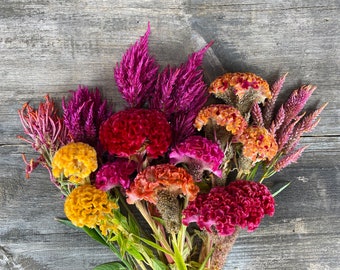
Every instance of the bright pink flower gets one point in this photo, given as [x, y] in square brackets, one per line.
[134, 131]
[241, 203]
[115, 174]
[199, 154]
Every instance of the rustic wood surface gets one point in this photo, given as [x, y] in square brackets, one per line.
[51, 46]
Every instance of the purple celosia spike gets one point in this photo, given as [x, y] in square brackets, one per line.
[136, 74]
[83, 115]
[288, 159]
[297, 101]
[268, 110]
[278, 121]
[182, 126]
[257, 114]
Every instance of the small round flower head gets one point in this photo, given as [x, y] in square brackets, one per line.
[258, 144]
[156, 178]
[88, 206]
[239, 84]
[222, 115]
[133, 131]
[75, 161]
[199, 154]
[241, 203]
[116, 173]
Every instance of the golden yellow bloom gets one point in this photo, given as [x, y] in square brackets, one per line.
[258, 144]
[75, 161]
[222, 115]
[239, 84]
[88, 206]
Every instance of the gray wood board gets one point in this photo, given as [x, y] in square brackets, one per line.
[52, 46]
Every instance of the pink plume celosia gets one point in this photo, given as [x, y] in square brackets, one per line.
[288, 159]
[136, 74]
[278, 121]
[256, 114]
[83, 115]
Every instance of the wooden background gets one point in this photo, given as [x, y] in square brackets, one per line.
[51, 46]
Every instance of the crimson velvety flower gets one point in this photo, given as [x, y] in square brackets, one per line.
[113, 174]
[240, 204]
[84, 113]
[198, 154]
[134, 131]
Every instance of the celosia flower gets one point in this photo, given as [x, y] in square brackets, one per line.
[84, 113]
[199, 154]
[240, 204]
[116, 173]
[136, 74]
[88, 206]
[45, 130]
[75, 161]
[156, 178]
[222, 115]
[258, 144]
[239, 84]
[134, 131]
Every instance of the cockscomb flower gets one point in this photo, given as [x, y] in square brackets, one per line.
[153, 179]
[258, 144]
[240, 84]
[136, 74]
[84, 113]
[221, 115]
[88, 206]
[240, 204]
[75, 161]
[199, 154]
[45, 130]
[113, 174]
[134, 131]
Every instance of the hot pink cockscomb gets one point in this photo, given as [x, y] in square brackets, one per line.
[198, 154]
[137, 72]
[135, 131]
[240, 204]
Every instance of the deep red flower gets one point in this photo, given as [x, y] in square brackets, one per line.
[241, 203]
[134, 131]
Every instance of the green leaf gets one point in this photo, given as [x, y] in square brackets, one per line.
[281, 189]
[155, 246]
[110, 266]
[158, 265]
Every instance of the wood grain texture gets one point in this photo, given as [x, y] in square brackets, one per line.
[52, 46]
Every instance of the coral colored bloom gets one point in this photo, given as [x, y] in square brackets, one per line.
[199, 154]
[134, 131]
[116, 173]
[161, 177]
[88, 206]
[258, 144]
[223, 115]
[240, 84]
[75, 161]
[241, 203]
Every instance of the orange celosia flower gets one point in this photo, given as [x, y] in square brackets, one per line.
[161, 177]
[258, 144]
[223, 115]
[240, 83]
[76, 161]
[88, 206]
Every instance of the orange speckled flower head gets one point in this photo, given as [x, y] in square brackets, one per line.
[161, 177]
[223, 115]
[88, 206]
[76, 161]
[258, 144]
[239, 84]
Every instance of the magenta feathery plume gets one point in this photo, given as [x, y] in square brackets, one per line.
[181, 92]
[136, 74]
[288, 159]
[83, 115]
[256, 114]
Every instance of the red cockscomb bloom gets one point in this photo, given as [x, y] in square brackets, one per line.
[240, 204]
[134, 131]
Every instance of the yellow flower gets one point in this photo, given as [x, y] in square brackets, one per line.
[75, 161]
[88, 206]
[222, 115]
[258, 144]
